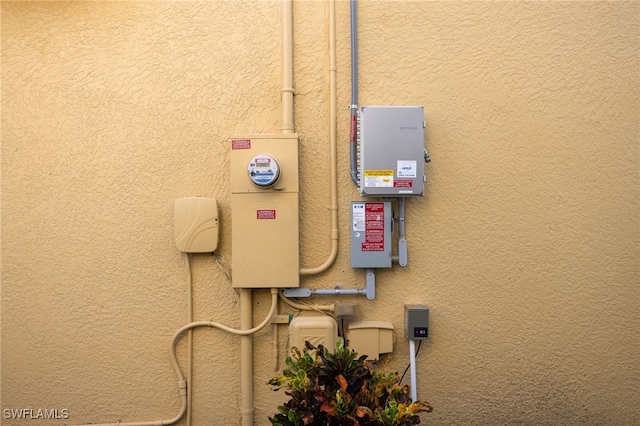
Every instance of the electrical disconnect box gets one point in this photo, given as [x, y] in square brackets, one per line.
[264, 211]
[416, 322]
[371, 234]
[391, 151]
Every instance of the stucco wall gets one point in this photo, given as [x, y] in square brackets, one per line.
[525, 247]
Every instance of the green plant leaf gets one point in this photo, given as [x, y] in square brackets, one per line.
[342, 388]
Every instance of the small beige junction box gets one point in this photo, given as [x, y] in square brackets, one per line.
[317, 330]
[264, 211]
[196, 224]
[371, 338]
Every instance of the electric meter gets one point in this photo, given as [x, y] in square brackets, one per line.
[263, 170]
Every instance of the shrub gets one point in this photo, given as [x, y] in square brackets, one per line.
[342, 389]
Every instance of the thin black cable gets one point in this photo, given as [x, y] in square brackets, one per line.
[407, 369]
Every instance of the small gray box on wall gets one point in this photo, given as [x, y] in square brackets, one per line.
[391, 148]
[416, 322]
[371, 234]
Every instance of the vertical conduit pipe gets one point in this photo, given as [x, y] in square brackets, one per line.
[246, 343]
[403, 259]
[189, 339]
[354, 92]
[412, 364]
[246, 357]
[333, 142]
[275, 341]
[287, 66]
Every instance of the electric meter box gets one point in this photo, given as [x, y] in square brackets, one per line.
[371, 234]
[264, 211]
[391, 151]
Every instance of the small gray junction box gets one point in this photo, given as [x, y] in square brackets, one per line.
[416, 322]
[371, 234]
[391, 148]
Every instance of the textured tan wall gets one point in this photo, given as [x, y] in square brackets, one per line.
[525, 246]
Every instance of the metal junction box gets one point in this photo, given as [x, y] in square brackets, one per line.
[391, 151]
[264, 211]
[416, 322]
[371, 234]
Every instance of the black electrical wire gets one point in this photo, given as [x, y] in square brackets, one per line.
[407, 369]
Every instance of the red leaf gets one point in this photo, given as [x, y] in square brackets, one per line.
[329, 410]
[342, 382]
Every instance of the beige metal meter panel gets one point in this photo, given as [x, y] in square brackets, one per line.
[265, 246]
[264, 218]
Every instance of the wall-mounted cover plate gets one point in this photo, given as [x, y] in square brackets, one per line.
[371, 338]
[196, 224]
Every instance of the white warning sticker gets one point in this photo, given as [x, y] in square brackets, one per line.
[407, 169]
[358, 217]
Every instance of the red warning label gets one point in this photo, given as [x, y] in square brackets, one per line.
[241, 144]
[402, 183]
[265, 214]
[374, 227]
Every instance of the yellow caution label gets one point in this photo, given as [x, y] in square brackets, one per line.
[374, 173]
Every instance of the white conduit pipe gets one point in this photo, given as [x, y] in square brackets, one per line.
[412, 363]
[333, 146]
[182, 384]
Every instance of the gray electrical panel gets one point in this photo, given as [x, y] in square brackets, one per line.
[391, 151]
[371, 234]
